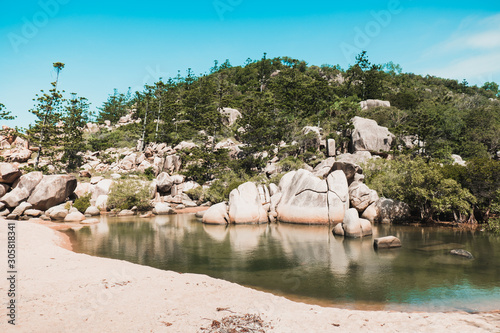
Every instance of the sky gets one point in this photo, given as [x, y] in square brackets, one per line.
[107, 45]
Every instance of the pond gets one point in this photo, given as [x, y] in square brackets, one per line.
[310, 264]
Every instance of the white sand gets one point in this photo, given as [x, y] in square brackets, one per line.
[62, 291]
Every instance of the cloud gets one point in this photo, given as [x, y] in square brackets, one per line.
[471, 52]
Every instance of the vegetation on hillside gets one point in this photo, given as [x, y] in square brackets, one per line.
[277, 97]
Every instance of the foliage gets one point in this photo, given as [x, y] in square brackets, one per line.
[149, 173]
[5, 114]
[204, 164]
[422, 186]
[82, 203]
[127, 193]
[122, 137]
[116, 106]
[493, 225]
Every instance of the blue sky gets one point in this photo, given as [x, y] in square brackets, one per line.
[119, 44]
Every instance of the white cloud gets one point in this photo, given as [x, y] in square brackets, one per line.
[471, 52]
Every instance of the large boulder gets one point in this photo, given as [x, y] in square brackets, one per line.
[162, 208]
[102, 202]
[368, 135]
[230, 116]
[4, 188]
[373, 103]
[308, 199]
[92, 211]
[74, 217]
[392, 210]
[52, 190]
[361, 196]
[245, 205]
[216, 214]
[386, 242]
[9, 173]
[128, 162]
[164, 182]
[172, 164]
[23, 189]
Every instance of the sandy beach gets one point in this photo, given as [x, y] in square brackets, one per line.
[62, 291]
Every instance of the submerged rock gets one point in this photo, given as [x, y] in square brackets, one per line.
[462, 253]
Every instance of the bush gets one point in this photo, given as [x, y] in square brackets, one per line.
[82, 203]
[493, 225]
[127, 193]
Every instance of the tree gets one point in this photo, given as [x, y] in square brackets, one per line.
[46, 132]
[4, 114]
[115, 107]
[75, 117]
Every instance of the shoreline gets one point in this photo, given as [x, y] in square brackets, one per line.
[60, 291]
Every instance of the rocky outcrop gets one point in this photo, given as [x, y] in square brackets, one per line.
[245, 205]
[164, 182]
[216, 214]
[52, 190]
[23, 189]
[368, 135]
[373, 103]
[308, 199]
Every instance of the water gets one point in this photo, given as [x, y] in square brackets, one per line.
[309, 263]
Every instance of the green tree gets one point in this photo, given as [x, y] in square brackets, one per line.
[46, 131]
[115, 107]
[4, 114]
[75, 116]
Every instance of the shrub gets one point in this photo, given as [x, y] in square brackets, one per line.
[82, 203]
[493, 225]
[127, 193]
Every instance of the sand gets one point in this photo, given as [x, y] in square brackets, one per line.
[62, 291]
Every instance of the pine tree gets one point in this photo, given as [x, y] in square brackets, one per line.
[46, 131]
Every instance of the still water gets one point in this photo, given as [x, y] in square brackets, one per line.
[309, 263]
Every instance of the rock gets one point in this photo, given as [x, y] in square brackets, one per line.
[462, 253]
[82, 189]
[95, 180]
[373, 103]
[199, 214]
[85, 173]
[361, 196]
[308, 199]
[338, 229]
[324, 168]
[216, 214]
[366, 227]
[164, 182]
[89, 221]
[102, 202]
[74, 217]
[126, 212]
[9, 173]
[245, 205]
[162, 208]
[178, 179]
[21, 156]
[115, 176]
[52, 190]
[146, 215]
[4, 188]
[368, 135]
[351, 170]
[33, 212]
[128, 162]
[230, 116]
[386, 242]
[58, 214]
[92, 211]
[190, 185]
[273, 189]
[19, 210]
[392, 210]
[5, 212]
[172, 164]
[102, 188]
[351, 224]
[357, 158]
[371, 213]
[330, 148]
[184, 145]
[457, 159]
[23, 189]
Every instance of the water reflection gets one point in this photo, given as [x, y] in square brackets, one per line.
[308, 261]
